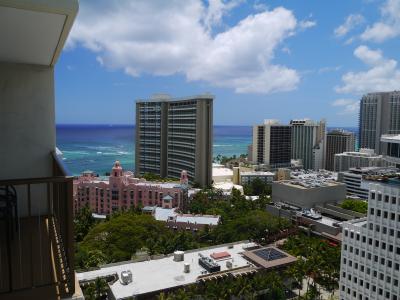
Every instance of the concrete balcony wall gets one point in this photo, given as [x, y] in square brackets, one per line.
[27, 120]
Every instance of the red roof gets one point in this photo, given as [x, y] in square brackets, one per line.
[219, 255]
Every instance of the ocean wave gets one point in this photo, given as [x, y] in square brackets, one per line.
[76, 152]
[123, 152]
[217, 145]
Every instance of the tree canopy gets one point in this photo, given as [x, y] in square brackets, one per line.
[360, 206]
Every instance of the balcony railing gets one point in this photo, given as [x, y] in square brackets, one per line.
[36, 237]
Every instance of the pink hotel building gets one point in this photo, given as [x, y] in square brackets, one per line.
[122, 191]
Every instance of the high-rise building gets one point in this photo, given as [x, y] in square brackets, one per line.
[370, 263]
[308, 143]
[364, 158]
[272, 144]
[174, 135]
[379, 114]
[338, 141]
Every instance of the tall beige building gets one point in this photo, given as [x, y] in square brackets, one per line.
[175, 134]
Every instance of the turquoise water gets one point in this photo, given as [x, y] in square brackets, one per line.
[97, 147]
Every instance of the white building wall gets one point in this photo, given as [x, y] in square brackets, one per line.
[370, 263]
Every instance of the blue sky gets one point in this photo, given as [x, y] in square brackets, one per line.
[261, 59]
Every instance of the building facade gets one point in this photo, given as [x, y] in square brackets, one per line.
[308, 193]
[248, 177]
[122, 190]
[308, 143]
[338, 141]
[370, 263]
[379, 114]
[174, 135]
[364, 158]
[272, 144]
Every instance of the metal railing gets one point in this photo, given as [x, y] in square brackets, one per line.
[37, 251]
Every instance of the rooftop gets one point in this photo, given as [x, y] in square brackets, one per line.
[168, 98]
[166, 214]
[308, 183]
[391, 138]
[160, 274]
[256, 173]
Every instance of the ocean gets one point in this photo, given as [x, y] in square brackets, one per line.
[97, 147]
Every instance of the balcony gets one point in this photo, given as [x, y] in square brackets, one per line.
[36, 237]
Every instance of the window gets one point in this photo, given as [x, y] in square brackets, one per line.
[379, 197]
[393, 216]
[385, 214]
[371, 211]
[393, 200]
[372, 196]
[378, 212]
[114, 195]
[386, 199]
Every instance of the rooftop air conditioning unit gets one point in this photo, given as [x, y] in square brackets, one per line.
[126, 277]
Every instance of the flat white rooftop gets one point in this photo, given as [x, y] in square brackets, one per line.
[160, 274]
[256, 173]
[165, 214]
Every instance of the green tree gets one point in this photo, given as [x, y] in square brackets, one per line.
[83, 222]
[360, 206]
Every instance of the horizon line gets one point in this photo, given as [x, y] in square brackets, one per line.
[133, 125]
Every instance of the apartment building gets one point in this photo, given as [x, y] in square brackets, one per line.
[362, 159]
[173, 135]
[272, 144]
[370, 263]
[338, 141]
[308, 143]
[36, 205]
[379, 114]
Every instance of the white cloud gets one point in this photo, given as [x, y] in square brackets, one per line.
[383, 74]
[351, 22]
[216, 10]
[329, 69]
[305, 24]
[174, 37]
[348, 106]
[389, 25]
[260, 6]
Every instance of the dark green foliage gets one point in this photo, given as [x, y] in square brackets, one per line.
[124, 233]
[83, 222]
[96, 290]
[318, 259]
[355, 205]
[241, 219]
[268, 286]
[257, 187]
[155, 177]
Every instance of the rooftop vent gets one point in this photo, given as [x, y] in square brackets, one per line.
[126, 277]
[179, 255]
